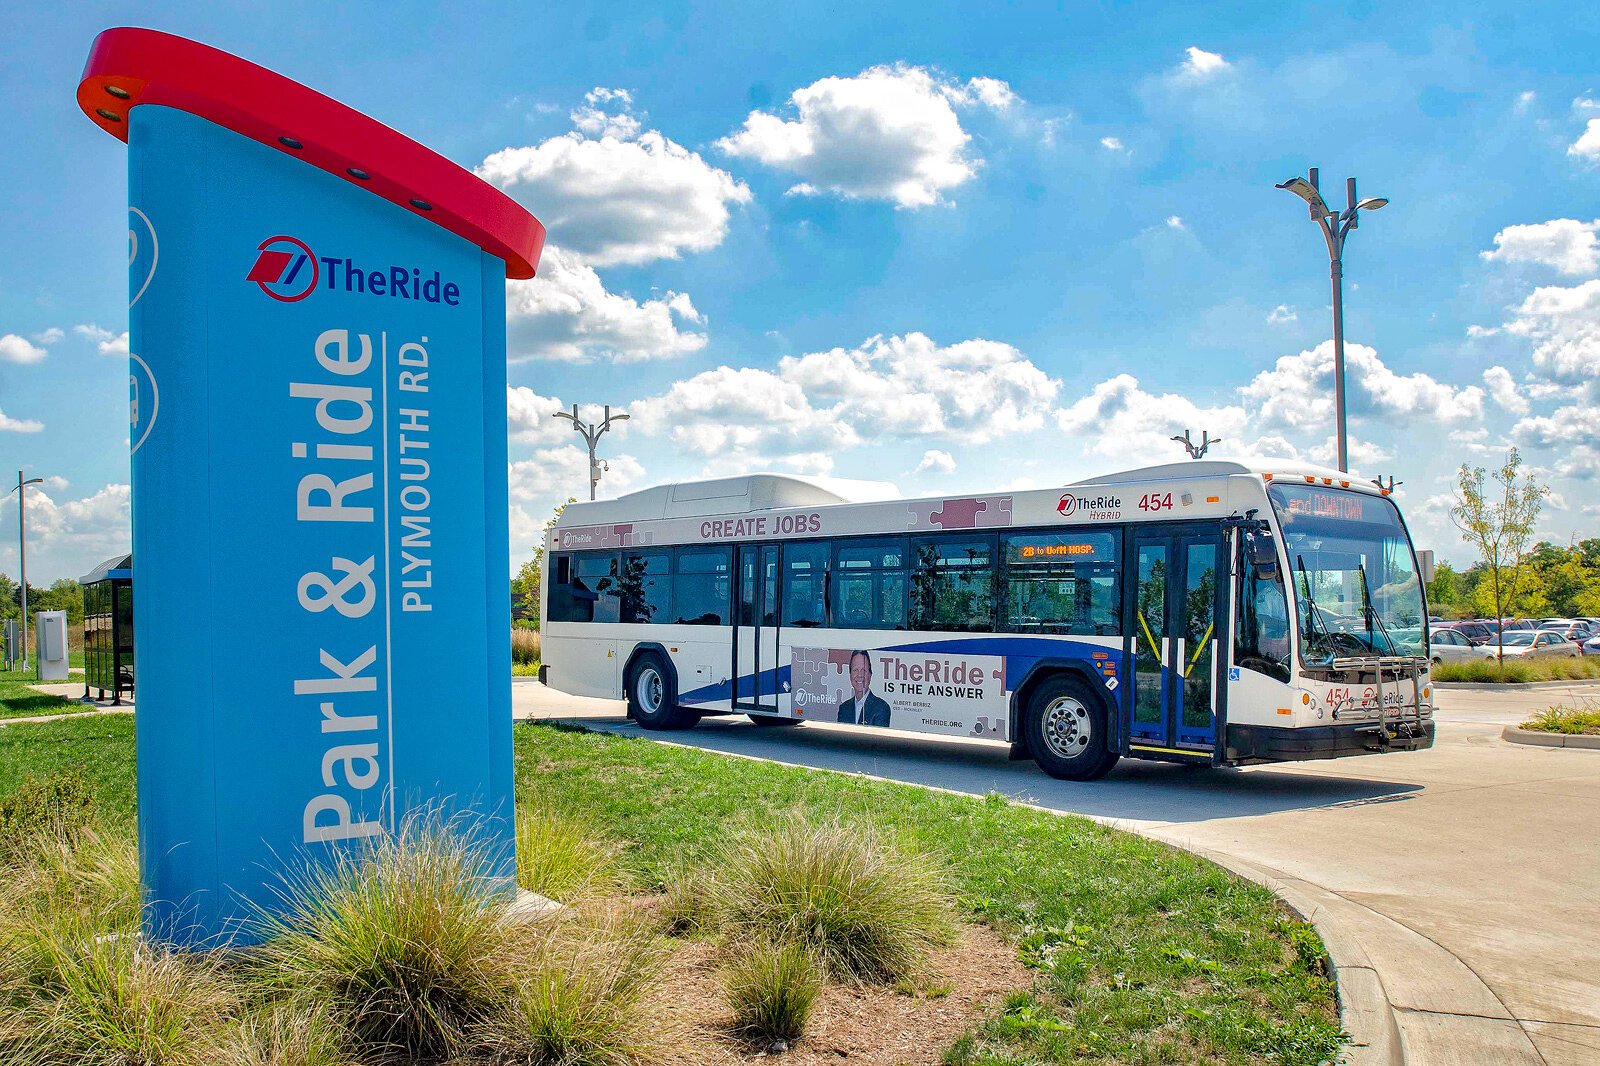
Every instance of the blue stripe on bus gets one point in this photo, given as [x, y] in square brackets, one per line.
[1020, 654]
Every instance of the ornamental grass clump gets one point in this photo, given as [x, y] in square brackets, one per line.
[403, 940]
[288, 1034]
[563, 857]
[770, 988]
[525, 646]
[866, 910]
[579, 1000]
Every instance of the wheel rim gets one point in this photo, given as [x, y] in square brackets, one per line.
[1068, 727]
[648, 690]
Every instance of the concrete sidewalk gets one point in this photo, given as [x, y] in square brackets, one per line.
[1455, 888]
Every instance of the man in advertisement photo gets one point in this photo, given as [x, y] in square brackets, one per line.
[864, 707]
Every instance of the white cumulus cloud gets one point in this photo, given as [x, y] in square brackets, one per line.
[567, 313]
[1112, 144]
[1283, 314]
[1298, 390]
[935, 461]
[550, 475]
[1503, 389]
[531, 418]
[614, 194]
[1120, 420]
[1587, 146]
[1198, 63]
[888, 133]
[905, 387]
[18, 425]
[15, 349]
[105, 341]
[1564, 325]
[1566, 244]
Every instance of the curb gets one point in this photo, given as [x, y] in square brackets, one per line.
[1516, 686]
[1365, 1012]
[1549, 740]
[36, 719]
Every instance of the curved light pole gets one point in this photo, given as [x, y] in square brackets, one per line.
[591, 434]
[22, 552]
[1335, 228]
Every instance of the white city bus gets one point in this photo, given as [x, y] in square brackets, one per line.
[1204, 612]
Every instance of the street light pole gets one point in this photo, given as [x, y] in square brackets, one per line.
[591, 435]
[1197, 451]
[1335, 228]
[22, 552]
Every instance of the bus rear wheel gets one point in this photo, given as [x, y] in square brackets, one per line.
[1065, 727]
[653, 695]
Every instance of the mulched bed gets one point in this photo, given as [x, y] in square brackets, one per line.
[863, 1024]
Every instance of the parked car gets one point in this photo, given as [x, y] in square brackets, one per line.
[1477, 631]
[1525, 645]
[1590, 646]
[1448, 646]
[1575, 630]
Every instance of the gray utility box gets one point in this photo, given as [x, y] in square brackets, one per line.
[52, 645]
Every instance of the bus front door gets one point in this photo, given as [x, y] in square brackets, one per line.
[755, 637]
[1174, 607]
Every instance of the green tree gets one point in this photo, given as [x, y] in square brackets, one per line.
[1444, 591]
[1497, 522]
[525, 586]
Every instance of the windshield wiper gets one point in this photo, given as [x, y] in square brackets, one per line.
[1311, 603]
[1371, 612]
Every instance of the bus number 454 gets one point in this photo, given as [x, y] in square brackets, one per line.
[1156, 501]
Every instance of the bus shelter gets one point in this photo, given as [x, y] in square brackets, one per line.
[108, 629]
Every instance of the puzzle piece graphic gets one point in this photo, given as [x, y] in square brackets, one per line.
[997, 513]
[969, 512]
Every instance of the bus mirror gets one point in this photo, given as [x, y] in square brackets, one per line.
[1262, 555]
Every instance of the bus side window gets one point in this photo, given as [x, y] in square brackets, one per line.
[952, 586]
[805, 570]
[585, 588]
[869, 584]
[1062, 583]
[646, 586]
[700, 587]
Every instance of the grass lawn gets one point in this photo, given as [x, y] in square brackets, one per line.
[1519, 671]
[18, 700]
[1142, 953]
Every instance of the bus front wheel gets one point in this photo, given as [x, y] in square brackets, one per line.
[1066, 728]
[653, 695]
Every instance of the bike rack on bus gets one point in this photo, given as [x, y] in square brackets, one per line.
[1404, 668]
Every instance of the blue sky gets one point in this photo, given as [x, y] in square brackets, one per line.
[948, 246]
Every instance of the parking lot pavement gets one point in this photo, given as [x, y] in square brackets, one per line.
[1464, 877]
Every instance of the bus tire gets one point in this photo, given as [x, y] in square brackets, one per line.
[1065, 727]
[653, 695]
[773, 720]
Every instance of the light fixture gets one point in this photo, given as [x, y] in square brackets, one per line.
[1307, 192]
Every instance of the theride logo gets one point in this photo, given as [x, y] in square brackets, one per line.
[1090, 506]
[286, 269]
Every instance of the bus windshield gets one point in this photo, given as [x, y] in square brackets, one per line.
[1352, 570]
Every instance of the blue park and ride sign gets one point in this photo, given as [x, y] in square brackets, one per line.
[317, 402]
